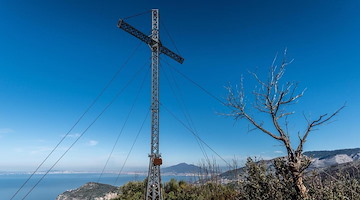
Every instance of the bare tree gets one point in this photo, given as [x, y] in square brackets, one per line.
[273, 98]
[208, 171]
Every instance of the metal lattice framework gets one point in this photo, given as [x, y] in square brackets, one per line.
[153, 188]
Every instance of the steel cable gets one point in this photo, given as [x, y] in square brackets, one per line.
[79, 119]
[196, 84]
[131, 16]
[124, 124]
[102, 112]
[195, 134]
[185, 112]
[132, 146]
[171, 39]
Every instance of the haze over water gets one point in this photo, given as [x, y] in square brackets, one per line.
[55, 184]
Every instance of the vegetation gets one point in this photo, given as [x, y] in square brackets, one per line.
[180, 190]
[132, 191]
[261, 181]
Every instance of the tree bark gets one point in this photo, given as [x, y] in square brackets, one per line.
[297, 174]
[301, 188]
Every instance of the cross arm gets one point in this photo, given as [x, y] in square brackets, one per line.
[133, 31]
[171, 54]
[148, 40]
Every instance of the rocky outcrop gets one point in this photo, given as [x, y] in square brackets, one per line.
[90, 191]
[337, 159]
[323, 159]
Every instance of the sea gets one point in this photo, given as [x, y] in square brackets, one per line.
[54, 184]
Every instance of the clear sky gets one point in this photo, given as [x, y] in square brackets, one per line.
[56, 56]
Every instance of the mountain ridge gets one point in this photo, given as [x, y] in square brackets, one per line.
[181, 168]
[320, 159]
[326, 153]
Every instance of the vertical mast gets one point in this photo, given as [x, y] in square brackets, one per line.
[153, 188]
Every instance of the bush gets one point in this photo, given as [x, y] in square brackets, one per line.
[261, 181]
[132, 191]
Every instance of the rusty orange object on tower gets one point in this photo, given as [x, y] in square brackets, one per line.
[157, 161]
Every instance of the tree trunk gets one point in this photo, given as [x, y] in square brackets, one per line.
[300, 188]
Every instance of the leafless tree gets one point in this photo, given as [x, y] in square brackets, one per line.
[273, 98]
[208, 171]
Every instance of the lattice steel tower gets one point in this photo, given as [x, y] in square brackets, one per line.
[153, 188]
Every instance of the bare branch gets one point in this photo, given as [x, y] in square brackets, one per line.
[254, 128]
[287, 124]
[319, 121]
[315, 123]
[260, 127]
[236, 103]
[293, 98]
[258, 80]
[284, 114]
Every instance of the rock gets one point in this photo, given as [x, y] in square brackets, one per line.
[90, 191]
[328, 161]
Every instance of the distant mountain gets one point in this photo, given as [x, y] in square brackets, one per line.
[181, 168]
[90, 191]
[325, 154]
[327, 158]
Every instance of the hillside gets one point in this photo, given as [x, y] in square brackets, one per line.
[90, 190]
[351, 168]
[330, 161]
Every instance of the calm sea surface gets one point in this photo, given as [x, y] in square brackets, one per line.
[54, 184]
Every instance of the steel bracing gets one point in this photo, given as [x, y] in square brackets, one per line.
[153, 188]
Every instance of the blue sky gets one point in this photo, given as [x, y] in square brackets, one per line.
[56, 56]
